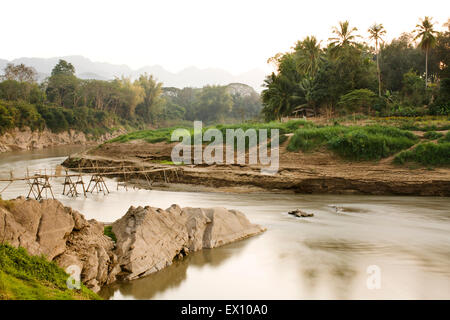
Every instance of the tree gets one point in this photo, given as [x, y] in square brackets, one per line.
[308, 55]
[213, 103]
[427, 36]
[413, 90]
[62, 84]
[152, 102]
[282, 93]
[376, 31]
[127, 96]
[344, 35]
[20, 73]
[442, 52]
[360, 100]
[63, 67]
[397, 58]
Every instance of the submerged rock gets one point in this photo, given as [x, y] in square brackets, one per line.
[300, 214]
[148, 239]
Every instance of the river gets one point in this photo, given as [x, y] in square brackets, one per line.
[355, 246]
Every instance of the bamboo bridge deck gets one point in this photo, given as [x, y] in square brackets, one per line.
[40, 182]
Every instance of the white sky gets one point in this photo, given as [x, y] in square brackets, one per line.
[233, 35]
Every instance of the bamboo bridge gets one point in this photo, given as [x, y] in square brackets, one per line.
[84, 180]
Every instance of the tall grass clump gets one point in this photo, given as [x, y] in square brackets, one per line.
[445, 139]
[432, 135]
[355, 142]
[362, 145]
[426, 154]
[311, 138]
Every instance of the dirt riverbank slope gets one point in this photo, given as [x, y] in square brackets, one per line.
[318, 172]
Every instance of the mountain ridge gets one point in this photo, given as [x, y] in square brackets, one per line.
[188, 77]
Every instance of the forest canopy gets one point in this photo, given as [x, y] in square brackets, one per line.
[351, 74]
[63, 101]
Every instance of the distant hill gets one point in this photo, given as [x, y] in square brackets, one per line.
[233, 88]
[189, 77]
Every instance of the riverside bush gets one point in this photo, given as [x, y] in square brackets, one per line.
[445, 139]
[426, 154]
[362, 145]
[432, 135]
[357, 143]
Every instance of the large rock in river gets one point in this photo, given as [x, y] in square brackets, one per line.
[61, 234]
[148, 239]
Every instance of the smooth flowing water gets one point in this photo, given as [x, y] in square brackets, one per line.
[329, 256]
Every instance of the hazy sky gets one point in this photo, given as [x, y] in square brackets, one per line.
[233, 35]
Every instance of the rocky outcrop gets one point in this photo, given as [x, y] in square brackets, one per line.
[26, 139]
[61, 234]
[148, 239]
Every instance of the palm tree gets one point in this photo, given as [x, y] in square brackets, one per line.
[344, 35]
[279, 96]
[375, 33]
[308, 56]
[426, 33]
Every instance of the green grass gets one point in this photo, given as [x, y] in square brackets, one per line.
[310, 139]
[445, 139]
[426, 154]
[420, 123]
[25, 277]
[354, 142]
[107, 231]
[150, 136]
[164, 135]
[432, 135]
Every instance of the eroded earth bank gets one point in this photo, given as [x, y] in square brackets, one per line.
[318, 172]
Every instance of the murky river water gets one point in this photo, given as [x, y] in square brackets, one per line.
[327, 256]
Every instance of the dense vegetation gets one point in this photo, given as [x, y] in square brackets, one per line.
[64, 102]
[164, 134]
[25, 277]
[354, 142]
[409, 76]
[426, 154]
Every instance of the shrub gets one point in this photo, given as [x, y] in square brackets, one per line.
[107, 231]
[360, 100]
[363, 145]
[445, 139]
[432, 135]
[311, 138]
[426, 154]
[357, 143]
